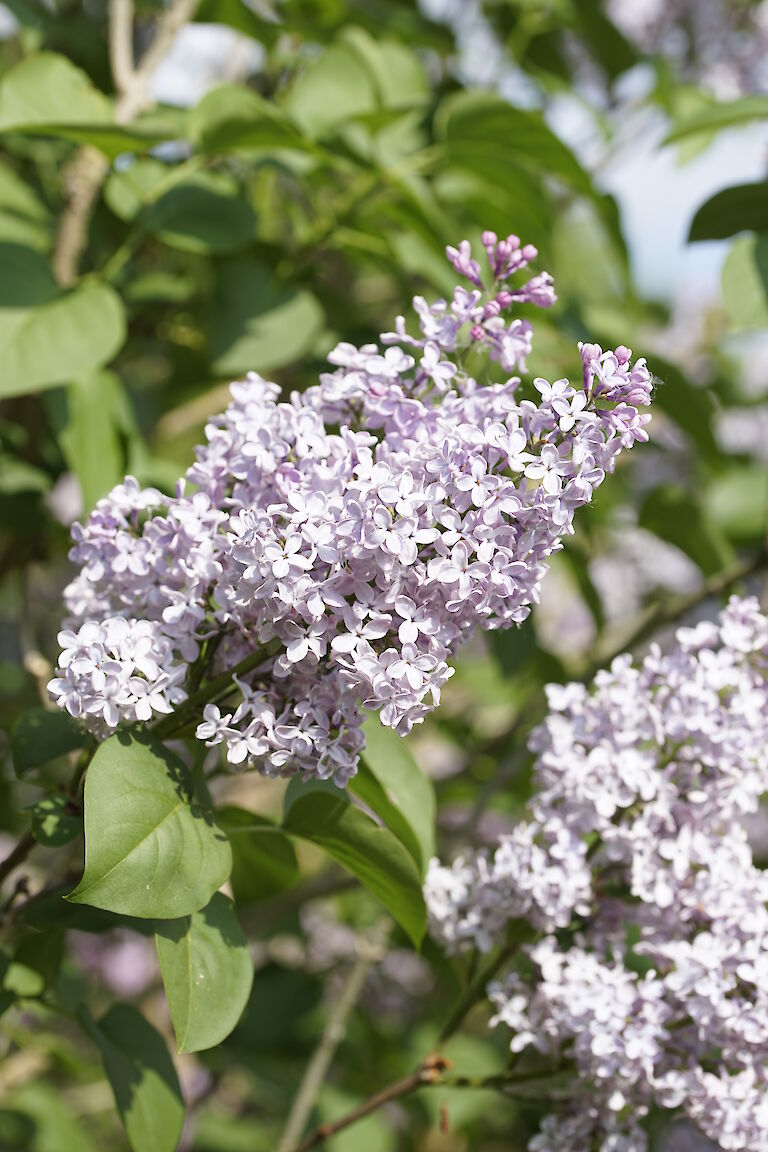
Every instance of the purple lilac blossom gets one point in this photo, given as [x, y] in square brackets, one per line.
[649, 973]
[369, 524]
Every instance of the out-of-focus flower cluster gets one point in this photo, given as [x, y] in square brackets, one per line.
[367, 525]
[649, 973]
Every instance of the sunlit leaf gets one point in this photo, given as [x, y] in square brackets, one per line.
[150, 849]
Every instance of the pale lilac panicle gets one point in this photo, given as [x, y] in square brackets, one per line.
[641, 787]
[368, 525]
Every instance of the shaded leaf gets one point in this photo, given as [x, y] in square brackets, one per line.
[150, 849]
[393, 786]
[42, 734]
[143, 1079]
[256, 325]
[674, 516]
[50, 336]
[371, 853]
[202, 214]
[207, 973]
[53, 821]
[743, 208]
[263, 858]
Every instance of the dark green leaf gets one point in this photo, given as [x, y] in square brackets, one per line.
[263, 858]
[393, 786]
[207, 973]
[142, 1077]
[373, 854]
[54, 822]
[692, 409]
[50, 336]
[743, 208]
[40, 735]
[256, 325]
[150, 849]
[674, 516]
[204, 214]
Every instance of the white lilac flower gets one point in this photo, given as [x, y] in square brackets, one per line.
[368, 553]
[634, 859]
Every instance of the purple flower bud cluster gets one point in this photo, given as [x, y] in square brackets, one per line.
[367, 525]
[649, 974]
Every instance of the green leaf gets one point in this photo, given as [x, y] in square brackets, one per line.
[48, 89]
[255, 324]
[133, 188]
[207, 973]
[693, 409]
[49, 336]
[743, 208]
[143, 1079]
[40, 735]
[393, 786]
[745, 282]
[150, 849]
[672, 515]
[54, 822]
[718, 116]
[478, 125]
[737, 502]
[395, 69]
[24, 219]
[263, 858]
[92, 440]
[371, 853]
[204, 213]
[56, 1128]
[47, 95]
[331, 91]
[232, 118]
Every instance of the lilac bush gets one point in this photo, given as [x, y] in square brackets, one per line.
[355, 534]
[648, 974]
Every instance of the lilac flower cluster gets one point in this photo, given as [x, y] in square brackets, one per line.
[366, 527]
[649, 973]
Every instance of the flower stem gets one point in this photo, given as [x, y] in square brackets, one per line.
[212, 691]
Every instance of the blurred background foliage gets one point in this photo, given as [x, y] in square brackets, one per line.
[288, 175]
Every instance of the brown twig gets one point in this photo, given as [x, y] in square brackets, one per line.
[88, 169]
[369, 951]
[17, 856]
[428, 1072]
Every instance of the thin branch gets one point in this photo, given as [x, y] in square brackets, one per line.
[210, 692]
[17, 856]
[121, 43]
[87, 171]
[428, 1072]
[369, 951]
